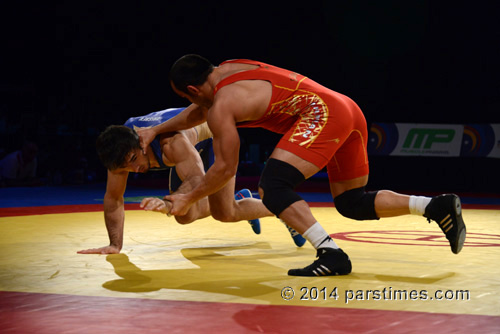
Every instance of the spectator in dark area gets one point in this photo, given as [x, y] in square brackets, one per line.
[19, 168]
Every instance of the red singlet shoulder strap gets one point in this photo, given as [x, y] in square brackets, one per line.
[243, 75]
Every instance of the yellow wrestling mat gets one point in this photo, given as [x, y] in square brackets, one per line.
[400, 263]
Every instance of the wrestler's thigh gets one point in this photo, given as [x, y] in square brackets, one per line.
[350, 161]
[223, 200]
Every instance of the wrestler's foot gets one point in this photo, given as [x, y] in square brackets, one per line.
[330, 262]
[156, 204]
[446, 210]
[245, 193]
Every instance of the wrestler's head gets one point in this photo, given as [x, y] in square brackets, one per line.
[187, 76]
[119, 149]
[190, 70]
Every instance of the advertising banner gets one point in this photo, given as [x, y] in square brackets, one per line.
[438, 140]
[429, 140]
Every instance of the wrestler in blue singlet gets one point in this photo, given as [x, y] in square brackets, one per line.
[203, 147]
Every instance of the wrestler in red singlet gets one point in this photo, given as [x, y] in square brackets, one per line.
[319, 125]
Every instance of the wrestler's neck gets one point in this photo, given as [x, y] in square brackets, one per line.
[214, 78]
[221, 72]
[153, 163]
[218, 74]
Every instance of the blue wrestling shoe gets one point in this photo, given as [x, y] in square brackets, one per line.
[296, 236]
[245, 193]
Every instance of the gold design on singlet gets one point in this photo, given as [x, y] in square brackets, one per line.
[313, 113]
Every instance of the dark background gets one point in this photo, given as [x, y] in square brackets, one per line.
[70, 68]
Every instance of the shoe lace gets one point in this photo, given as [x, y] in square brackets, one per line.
[292, 231]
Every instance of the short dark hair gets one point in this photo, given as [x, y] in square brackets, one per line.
[114, 144]
[188, 70]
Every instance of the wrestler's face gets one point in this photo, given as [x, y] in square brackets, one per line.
[136, 162]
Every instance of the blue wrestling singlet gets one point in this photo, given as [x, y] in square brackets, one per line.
[204, 147]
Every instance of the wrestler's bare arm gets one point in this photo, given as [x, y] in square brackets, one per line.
[188, 118]
[179, 150]
[226, 147]
[114, 214]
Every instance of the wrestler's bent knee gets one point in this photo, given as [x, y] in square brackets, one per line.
[277, 184]
[222, 215]
[357, 204]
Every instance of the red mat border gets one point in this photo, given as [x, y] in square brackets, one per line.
[22, 312]
[51, 209]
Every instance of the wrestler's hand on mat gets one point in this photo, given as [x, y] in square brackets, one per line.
[156, 204]
[101, 250]
[180, 204]
[146, 136]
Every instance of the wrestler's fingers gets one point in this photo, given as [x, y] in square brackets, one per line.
[156, 205]
[144, 202]
[148, 203]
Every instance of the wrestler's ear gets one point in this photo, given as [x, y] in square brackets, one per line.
[193, 90]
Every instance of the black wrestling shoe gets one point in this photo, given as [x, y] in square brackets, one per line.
[330, 262]
[446, 210]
